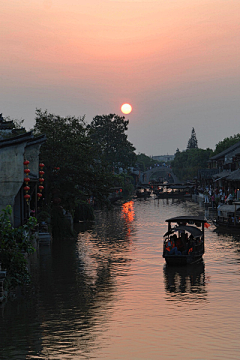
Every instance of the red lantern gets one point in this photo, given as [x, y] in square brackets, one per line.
[27, 171]
[39, 195]
[26, 162]
[41, 173]
[41, 188]
[26, 188]
[26, 180]
[41, 165]
[41, 180]
[27, 197]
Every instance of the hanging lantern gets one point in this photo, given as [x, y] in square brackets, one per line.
[41, 180]
[27, 171]
[27, 197]
[26, 162]
[39, 195]
[26, 180]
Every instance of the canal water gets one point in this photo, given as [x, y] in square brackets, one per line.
[109, 295]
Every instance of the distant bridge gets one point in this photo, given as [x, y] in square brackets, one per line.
[160, 174]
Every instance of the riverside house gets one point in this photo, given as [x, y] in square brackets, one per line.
[13, 152]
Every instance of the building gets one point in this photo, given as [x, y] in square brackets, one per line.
[164, 158]
[13, 152]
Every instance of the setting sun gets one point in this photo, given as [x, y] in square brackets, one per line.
[126, 108]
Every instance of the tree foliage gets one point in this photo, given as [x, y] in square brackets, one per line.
[144, 162]
[73, 173]
[192, 142]
[226, 143]
[109, 140]
[187, 163]
[14, 244]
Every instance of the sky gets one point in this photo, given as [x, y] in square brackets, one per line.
[177, 62]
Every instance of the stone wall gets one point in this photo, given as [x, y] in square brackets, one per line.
[11, 173]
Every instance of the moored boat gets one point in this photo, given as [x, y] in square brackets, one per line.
[183, 243]
[143, 192]
[228, 217]
[175, 191]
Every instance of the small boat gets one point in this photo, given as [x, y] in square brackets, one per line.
[143, 192]
[228, 217]
[175, 191]
[183, 243]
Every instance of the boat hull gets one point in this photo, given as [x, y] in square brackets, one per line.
[182, 260]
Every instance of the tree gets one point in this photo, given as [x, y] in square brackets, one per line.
[144, 162]
[187, 163]
[14, 244]
[110, 141]
[226, 143]
[72, 172]
[192, 142]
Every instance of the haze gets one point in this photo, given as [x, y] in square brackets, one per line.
[176, 62]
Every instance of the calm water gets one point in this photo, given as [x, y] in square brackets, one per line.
[110, 296]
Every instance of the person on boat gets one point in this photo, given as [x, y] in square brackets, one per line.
[179, 243]
[171, 247]
[188, 245]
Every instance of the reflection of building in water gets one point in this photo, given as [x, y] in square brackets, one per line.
[128, 214]
[186, 283]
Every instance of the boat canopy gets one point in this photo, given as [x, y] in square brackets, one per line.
[226, 209]
[191, 229]
[187, 219]
[180, 187]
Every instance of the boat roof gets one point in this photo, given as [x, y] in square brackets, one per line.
[229, 208]
[180, 187]
[191, 229]
[187, 219]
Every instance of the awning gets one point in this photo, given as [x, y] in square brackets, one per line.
[221, 175]
[191, 229]
[229, 208]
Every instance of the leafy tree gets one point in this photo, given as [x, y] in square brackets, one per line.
[187, 163]
[144, 162]
[72, 172]
[14, 244]
[226, 143]
[192, 142]
[110, 142]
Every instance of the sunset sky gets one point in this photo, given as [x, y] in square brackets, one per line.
[176, 62]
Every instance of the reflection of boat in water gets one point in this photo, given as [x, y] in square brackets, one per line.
[186, 280]
[180, 248]
[143, 192]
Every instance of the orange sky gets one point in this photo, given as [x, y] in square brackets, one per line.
[176, 62]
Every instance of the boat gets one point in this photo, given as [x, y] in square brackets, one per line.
[183, 243]
[175, 191]
[228, 217]
[143, 192]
